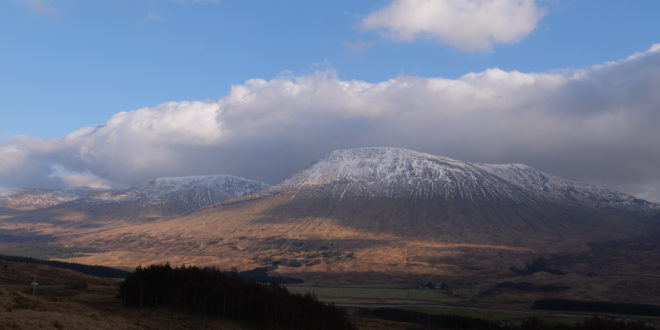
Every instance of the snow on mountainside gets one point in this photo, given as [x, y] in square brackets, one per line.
[189, 192]
[398, 173]
[38, 198]
[171, 195]
[554, 187]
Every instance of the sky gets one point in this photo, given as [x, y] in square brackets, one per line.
[112, 93]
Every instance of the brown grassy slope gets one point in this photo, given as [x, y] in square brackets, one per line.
[639, 255]
[23, 273]
[330, 238]
[374, 235]
[619, 271]
[621, 268]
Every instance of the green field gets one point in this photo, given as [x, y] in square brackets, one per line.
[369, 295]
[500, 317]
[420, 299]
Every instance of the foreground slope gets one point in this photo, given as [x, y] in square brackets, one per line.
[67, 299]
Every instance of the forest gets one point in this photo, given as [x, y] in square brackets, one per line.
[212, 292]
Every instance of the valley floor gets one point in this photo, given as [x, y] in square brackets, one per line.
[96, 307]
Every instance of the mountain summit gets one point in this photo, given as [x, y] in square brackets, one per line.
[402, 173]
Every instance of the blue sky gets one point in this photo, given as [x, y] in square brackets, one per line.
[75, 63]
[110, 93]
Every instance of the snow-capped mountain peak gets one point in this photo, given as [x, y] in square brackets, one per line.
[379, 165]
[30, 198]
[403, 173]
[190, 192]
[171, 195]
[398, 172]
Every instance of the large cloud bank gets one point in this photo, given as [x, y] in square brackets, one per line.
[468, 25]
[599, 125]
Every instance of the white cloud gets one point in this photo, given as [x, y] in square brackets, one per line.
[89, 181]
[598, 125]
[466, 24]
[134, 143]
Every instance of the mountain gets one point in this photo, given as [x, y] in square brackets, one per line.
[29, 199]
[562, 190]
[402, 173]
[158, 198]
[354, 215]
[176, 194]
[412, 194]
[398, 174]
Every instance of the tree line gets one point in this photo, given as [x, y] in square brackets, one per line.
[212, 292]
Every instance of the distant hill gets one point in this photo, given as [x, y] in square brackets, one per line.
[30, 199]
[161, 197]
[174, 195]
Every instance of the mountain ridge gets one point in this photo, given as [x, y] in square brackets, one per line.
[31, 198]
[160, 197]
[385, 172]
[377, 172]
[204, 190]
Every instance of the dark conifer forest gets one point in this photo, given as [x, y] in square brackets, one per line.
[212, 292]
